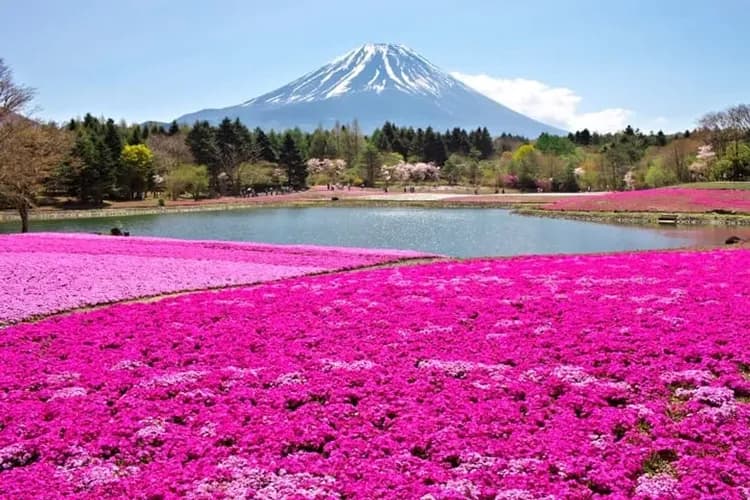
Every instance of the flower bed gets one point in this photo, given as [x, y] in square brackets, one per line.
[659, 200]
[541, 377]
[46, 273]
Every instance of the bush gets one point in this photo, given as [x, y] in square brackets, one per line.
[658, 176]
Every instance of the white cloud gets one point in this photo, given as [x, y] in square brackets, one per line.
[553, 105]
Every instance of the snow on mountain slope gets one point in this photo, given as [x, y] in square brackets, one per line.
[375, 83]
[370, 68]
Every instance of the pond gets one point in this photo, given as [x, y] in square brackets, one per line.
[460, 232]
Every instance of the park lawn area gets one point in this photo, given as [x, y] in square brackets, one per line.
[716, 185]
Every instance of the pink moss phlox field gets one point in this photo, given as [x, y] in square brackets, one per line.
[46, 273]
[659, 200]
[542, 377]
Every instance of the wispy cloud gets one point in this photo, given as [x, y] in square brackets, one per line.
[553, 105]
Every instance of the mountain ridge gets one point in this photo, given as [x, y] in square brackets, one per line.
[372, 84]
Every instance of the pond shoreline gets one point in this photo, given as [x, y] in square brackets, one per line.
[530, 208]
[643, 218]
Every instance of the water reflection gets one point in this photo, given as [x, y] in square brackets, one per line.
[457, 232]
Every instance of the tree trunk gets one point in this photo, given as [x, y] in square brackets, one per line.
[23, 211]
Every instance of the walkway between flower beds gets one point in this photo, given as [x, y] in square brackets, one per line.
[46, 273]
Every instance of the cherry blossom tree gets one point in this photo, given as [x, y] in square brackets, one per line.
[331, 169]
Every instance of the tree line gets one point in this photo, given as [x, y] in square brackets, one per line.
[96, 159]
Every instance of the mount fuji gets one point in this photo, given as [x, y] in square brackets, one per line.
[373, 84]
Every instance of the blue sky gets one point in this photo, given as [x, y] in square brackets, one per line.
[656, 64]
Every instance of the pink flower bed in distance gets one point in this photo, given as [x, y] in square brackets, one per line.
[45, 273]
[659, 200]
[538, 377]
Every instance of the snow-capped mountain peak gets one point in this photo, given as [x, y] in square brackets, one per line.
[374, 83]
[373, 67]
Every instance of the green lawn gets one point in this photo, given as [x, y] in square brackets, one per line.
[716, 185]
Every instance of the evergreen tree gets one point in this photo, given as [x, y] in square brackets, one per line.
[173, 128]
[202, 144]
[291, 159]
[459, 142]
[110, 148]
[661, 139]
[371, 163]
[434, 148]
[585, 139]
[135, 136]
[94, 177]
[484, 144]
[264, 146]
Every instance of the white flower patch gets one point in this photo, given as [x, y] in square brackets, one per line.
[127, 364]
[496, 336]
[63, 377]
[531, 375]
[291, 378]
[418, 299]
[695, 377]
[153, 428]
[68, 392]
[433, 329]
[361, 364]
[508, 323]
[167, 379]
[574, 375]
[598, 441]
[463, 487]
[98, 475]
[519, 494]
[642, 410]
[656, 486]
[475, 461]
[238, 373]
[461, 368]
[15, 454]
[251, 482]
[520, 466]
[207, 430]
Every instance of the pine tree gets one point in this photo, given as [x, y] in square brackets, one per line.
[434, 148]
[135, 136]
[173, 128]
[291, 159]
[202, 143]
[484, 144]
[110, 149]
[661, 139]
[264, 146]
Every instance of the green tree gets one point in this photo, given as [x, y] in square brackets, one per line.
[291, 160]
[202, 143]
[454, 169]
[371, 163]
[554, 144]
[434, 148]
[174, 129]
[658, 176]
[136, 172]
[187, 178]
[264, 146]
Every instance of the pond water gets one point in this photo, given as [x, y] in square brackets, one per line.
[459, 232]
